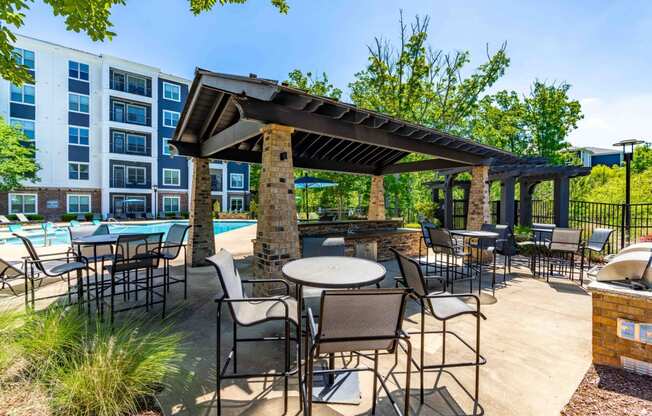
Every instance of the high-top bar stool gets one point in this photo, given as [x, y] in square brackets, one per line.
[449, 253]
[443, 306]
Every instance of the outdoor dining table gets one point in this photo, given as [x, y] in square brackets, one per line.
[332, 272]
[481, 236]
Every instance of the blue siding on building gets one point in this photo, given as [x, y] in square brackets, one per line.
[236, 167]
[166, 161]
[80, 87]
[78, 153]
[78, 119]
[27, 112]
[607, 160]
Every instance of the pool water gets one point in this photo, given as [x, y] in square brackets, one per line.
[61, 235]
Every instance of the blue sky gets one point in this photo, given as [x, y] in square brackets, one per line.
[602, 48]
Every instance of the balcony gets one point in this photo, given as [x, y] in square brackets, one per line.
[128, 112]
[131, 83]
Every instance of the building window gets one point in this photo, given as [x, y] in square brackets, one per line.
[135, 175]
[129, 113]
[27, 126]
[171, 177]
[22, 203]
[78, 171]
[131, 83]
[136, 85]
[236, 180]
[171, 204]
[166, 149]
[170, 118]
[171, 92]
[77, 70]
[78, 135]
[26, 94]
[78, 103]
[24, 57]
[79, 204]
[236, 203]
[216, 182]
[136, 143]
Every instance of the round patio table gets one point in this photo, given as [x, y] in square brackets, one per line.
[482, 236]
[332, 272]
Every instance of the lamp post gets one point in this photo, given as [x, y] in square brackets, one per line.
[155, 189]
[628, 156]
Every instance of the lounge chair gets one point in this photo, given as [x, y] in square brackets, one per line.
[246, 312]
[4, 220]
[358, 321]
[22, 218]
[443, 306]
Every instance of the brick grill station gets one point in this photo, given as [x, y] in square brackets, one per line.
[610, 303]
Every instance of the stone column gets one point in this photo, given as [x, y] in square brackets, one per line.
[277, 237]
[201, 239]
[376, 199]
[478, 212]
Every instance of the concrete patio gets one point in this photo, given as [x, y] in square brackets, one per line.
[537, 340]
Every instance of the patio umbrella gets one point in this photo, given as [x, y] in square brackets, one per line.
[310, 182]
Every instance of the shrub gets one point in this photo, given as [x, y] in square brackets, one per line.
[35, 217]
[185, 214]
[88, 216]
[68, 217]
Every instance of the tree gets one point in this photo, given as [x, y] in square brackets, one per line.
[89, 16]
[17, 158]
[499, 122]
[317, 84]
[642, 159]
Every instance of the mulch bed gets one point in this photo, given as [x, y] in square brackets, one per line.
[607, 391]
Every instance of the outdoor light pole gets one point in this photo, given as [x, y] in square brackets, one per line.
[628, 156]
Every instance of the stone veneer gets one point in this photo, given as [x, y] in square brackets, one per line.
[478, 212]
[610, 303]
[376, 199]
[277, 237]
[201, 238]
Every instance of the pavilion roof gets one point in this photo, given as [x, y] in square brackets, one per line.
[224, 113]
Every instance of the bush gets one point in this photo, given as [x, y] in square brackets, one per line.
[68, 217]
[185, 214]
[88, 216]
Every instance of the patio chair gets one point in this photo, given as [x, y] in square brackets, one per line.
[565, 244]
[426, 243]
[172, 247]
[53, 265]
[443, 306]
[449, 253]
[320, 246]
[22, 218]
[357, 322]
[92, 253]
[506, 246]
[247, 312]
[134, 253]
[598, 241]
[543, 233]
[10, 272]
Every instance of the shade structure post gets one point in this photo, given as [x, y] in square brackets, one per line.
[277, 236]
[376, 199]
[562, 200]
[201, 238]
[507, 213]
[448, 201]
[478, 212]
[525, 202]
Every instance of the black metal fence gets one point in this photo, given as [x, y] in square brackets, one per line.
[591, 215]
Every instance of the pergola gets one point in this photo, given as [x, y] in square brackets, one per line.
[528, 176]
[254, 120]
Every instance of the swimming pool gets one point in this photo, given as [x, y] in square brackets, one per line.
[61, 235]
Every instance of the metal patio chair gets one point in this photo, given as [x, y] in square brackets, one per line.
[53, 265]
[425, 242]
[443, 306]
[598, 241]
[11, 272]
[172, 247]
[449, 253]
[565, 244]
[355, 322]
[250, 311]
[134, 253]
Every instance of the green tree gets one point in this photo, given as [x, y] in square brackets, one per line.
[17, 158]
[89, 16]
[642, 158]
[499, 122]
[318, 85]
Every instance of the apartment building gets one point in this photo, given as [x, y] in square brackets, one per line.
[101, 126]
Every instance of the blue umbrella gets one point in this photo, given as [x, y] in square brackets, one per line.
[306, 182]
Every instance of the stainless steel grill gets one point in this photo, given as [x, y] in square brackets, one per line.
[632, 267]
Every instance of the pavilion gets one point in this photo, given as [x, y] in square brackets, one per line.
[255, 120]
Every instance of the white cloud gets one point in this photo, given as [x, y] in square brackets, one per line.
[607, 121]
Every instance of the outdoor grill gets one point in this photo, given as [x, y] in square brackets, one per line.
[631, 268]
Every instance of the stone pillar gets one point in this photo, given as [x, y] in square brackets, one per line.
[478, 212]
[507, 213]
[376, 199]
[277, 237]
[201, 239]
[562, 200]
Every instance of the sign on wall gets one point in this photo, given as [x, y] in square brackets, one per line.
[52, 204]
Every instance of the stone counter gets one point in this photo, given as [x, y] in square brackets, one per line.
[329, 228]
[620, 316]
